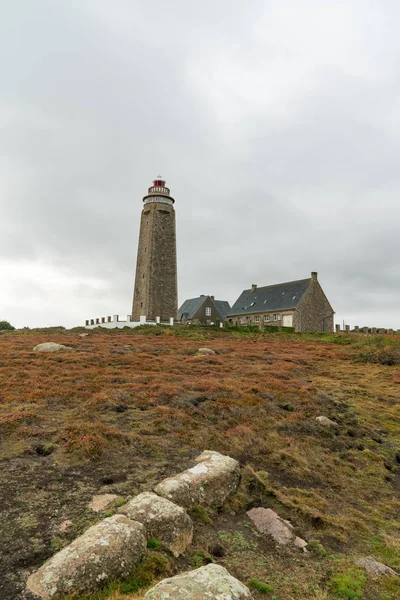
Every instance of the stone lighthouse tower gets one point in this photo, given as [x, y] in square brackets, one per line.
[156, 289]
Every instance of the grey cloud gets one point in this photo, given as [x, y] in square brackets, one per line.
[276, 126]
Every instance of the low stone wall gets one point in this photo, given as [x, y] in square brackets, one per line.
[110, 549]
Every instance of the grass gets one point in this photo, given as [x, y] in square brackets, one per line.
[154, 544]
[261, 587]
[125, 409]
[349, 585]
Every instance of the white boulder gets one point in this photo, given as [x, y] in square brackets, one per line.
[211, 582]
[106, 551]
[373, 567]
[205, 351]
[210, 482]
[50, 347]
[325, 421]
[163, 520]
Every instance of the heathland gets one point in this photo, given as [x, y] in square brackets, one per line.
[122, 410]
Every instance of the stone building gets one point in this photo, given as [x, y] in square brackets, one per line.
[204, 310]
[156, 288]
[300, 304]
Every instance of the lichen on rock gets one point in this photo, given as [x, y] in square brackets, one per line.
[210, 482]
[211, 582]
[106, 551]
[162, 519]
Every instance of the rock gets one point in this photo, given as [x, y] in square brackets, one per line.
[83, 334]
[65, 525]
[205, 351]
[269, 522]
[210, 482]
[326, 422]
[211, 582]
[102, 502]
[300, 543]
[106, 551]
[50, 347]
[163, 520]
[375, 568]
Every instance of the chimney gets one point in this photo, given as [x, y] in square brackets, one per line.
[253, 287]
[314, 275]
[212, 297]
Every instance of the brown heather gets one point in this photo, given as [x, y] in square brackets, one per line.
[124, 409]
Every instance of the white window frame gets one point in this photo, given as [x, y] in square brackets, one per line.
[267, 318]
[257, 319]
[208, 311]
[277, 317]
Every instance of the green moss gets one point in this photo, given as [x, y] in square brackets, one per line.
[200, 512]
[348, 585]
[200, 558]
[153, 566]
[261, 587]
[317, 547]
[154, 544]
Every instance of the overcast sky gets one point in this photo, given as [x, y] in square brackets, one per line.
[276, 124]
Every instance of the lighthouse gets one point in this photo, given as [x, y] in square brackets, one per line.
[156, 288]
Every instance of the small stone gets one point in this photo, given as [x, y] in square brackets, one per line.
[83, 334]
[211, 582]
[50, 347]
[105, 552]
[325, 421]
[205, 351]
[269, 522]
[210, 482]
[65, 525]
[300, 543]
[102, 502]
[163, 520]
[373, 567]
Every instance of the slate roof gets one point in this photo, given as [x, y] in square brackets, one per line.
[190, 307]
[282, 296]
[223, 307]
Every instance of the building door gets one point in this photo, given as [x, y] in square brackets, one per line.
[287, 321]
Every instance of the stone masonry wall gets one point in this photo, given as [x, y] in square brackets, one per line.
[156, 288]
[316, 312]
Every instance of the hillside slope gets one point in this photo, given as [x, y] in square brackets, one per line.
[123, 409]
